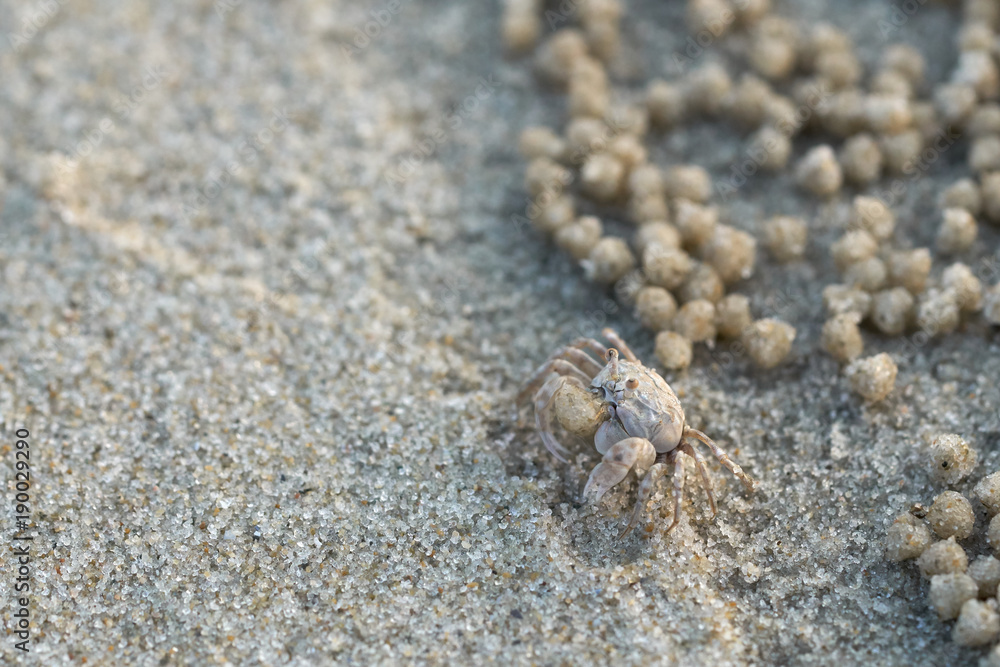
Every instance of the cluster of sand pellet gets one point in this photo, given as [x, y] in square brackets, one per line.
[962, 589]
[682, 259]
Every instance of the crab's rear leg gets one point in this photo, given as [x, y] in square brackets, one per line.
[569, 360]
[618, 460]
[678, 476]
[699, 463]
[645, 491]
[722, 456]
[543, 415]
[616, 341]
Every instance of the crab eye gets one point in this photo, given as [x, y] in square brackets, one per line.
[631, 383]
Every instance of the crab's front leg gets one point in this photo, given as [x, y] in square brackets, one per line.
[618, 460]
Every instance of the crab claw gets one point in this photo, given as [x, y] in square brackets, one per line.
[618, 460]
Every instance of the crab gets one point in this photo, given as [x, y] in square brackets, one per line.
[635, 417]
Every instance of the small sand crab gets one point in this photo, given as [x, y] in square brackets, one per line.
[634, 416]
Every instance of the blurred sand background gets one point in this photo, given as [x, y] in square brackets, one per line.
[271, 412]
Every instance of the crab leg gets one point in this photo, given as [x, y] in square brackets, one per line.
[617, 341]
[699, 463]
[722, 456]
[543, 416]
[618, 460]
[678, 474]
[560, 366]
[645, 491]
[579, 359]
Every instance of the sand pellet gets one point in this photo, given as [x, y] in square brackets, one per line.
[577, 411]
[978, 624]
[938, 312]
[901, 152]
[772, 50]
[887, 114]
[944, 557]
[656, 235]
[580, 237]
[985, 571]
[990, 192]
[853, 247]
[695, 320]
[559, 53]
[955, 102]
[987, 490]
[977, 69]
[544, 175]
[964, 194]
[861, 159]
[746, 101]
[984, 154]
[892, 310]
[967, 288]
[785, 237]
[687, 182]
[645, 180]
[949, 592]
[908, 537]
[951, 514]
[868, 274]
[649, 208]
[701, 283]
[873, 377]
[841, 299]
[732, 315]
[770, 147]
[873, 216]
[609, 261]
[673, 350]
[665, 103]
[768, 341]
[906, 60]
[841, 337]
[706, 88]
[541, 142]
[909, 269]
[602, 177]
[655, 307]
[521, 25]
[819, 172]
[951, 459]
[984, 121]
[991, 304]
[731, 252]
[957, 232]
[696, 223]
